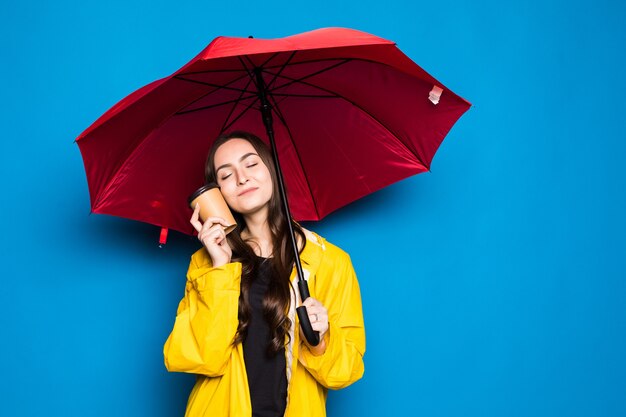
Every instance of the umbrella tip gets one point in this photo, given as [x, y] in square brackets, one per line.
[163, 237]
[250, 37]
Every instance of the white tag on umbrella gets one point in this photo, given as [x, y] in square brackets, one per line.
[435, 94]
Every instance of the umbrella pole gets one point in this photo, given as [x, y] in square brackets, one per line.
[266, 112]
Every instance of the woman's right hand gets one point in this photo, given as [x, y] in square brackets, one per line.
[213, 237]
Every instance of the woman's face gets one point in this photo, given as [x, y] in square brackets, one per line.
[243, 178]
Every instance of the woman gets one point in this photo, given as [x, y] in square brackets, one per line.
[236, 326]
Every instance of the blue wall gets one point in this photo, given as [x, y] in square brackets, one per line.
[509, 255]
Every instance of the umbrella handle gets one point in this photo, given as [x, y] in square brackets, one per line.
[311, 335]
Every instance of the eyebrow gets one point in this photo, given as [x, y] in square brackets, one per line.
[240, 159]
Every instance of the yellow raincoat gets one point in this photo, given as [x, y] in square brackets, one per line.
[206, 323]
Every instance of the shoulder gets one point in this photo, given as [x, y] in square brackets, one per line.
[332, 253]
[334, 274]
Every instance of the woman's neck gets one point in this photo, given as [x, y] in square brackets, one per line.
[258, 230]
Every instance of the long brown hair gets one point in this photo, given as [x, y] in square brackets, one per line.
[277, 300]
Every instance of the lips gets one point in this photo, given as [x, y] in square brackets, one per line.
[246, 191]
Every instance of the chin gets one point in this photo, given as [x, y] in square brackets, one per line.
[251, 209]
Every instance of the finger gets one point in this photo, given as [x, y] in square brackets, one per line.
[216, 220]
[221, 240]
[310, 302]
[194, 219]
[219, 234]
[320, 318]
[213, 234]
[319, 326]
[315, 305]
[216, 230]
[315, 310]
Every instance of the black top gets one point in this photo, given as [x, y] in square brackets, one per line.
[267, 378]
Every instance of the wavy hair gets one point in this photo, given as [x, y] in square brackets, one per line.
[277, 300]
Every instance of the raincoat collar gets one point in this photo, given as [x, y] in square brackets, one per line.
[312, 254]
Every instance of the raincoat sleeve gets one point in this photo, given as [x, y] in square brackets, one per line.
[206, 320]
[341, 364]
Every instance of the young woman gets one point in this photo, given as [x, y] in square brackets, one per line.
[236, 326]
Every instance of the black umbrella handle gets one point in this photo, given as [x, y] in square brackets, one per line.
[311, 335]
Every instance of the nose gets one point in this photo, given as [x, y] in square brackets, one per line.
[241, 177]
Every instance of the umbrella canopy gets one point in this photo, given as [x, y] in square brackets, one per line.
[352, 114]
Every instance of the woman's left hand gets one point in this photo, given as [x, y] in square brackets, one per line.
[318, 315]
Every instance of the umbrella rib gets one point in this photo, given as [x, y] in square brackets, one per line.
[253, 79]
[225, 127]
[293, 144]
[263, 65]
[232, 110]
[252, 65]
[247, 70]
[313, 74]
[363, 110]
[313, 61]
[208, 71]
[282, 67]
[237, 100]
[218, 86]
[305, 95]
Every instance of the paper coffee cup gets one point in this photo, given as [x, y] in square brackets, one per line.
[212, 204]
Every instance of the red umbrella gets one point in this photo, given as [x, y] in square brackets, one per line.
[354, 115]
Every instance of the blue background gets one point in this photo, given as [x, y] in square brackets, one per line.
[511, 300]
